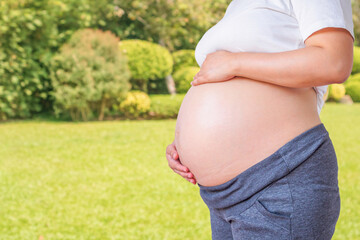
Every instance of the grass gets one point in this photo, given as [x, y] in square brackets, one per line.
[110, 180]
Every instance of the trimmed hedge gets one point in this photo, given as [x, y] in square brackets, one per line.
[353, 89]
[165, 105]
[336, 91]
[183, 77]
[353, 78]
[184, 58]
[136, 103]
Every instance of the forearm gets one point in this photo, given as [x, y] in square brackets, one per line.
[305, 67]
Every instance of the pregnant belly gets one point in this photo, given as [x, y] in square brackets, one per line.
[224, 128]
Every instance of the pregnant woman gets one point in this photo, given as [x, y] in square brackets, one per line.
[248, 130]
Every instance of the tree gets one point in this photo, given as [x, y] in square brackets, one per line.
[174, 24]
[356, 20]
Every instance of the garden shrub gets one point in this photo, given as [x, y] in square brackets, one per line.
[27, 34]
[183, 77]
[147, 61]
[89, 74]
[165, 105]
[353, 78]
[326, 95]
[336, 91]
[31, 32]
[356, 63]
[184, 58]
[136, 103]
[353, 89]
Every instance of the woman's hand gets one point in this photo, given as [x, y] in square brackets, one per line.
[216, 68]
[175, 164]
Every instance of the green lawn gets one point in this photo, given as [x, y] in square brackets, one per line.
[110, 180]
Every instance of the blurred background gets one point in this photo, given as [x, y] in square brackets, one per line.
[89, 95]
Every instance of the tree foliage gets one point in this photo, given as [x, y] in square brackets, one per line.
[175, 24]
[356, 20]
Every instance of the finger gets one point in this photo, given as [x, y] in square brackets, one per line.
[175, 164]
[175, 155]
[191, 180]
[196, 75]
[171, 150]
[184, 175]
[196, 81]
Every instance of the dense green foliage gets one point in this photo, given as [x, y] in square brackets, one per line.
[111, 180]
[146, 61]
[336, 91]
[32, 31]
[184, 58]
[173, 24]
[353, 78]
[356, 20]
[88, 74]
[356, 63]
[165, 105]
[353, 89]
[26, 38]
[183, 77]
[136, 103]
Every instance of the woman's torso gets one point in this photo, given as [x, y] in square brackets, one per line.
[224, 128]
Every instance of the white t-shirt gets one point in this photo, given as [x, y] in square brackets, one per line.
[274, 26]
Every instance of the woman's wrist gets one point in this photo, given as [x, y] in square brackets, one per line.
[235, 64]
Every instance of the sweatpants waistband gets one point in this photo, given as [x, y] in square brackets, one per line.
[245, 185]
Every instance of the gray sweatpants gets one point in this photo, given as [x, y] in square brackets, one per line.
[291, 194]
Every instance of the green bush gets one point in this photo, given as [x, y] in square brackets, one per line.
[89, 74]
[356, 63]
[147, 61]
[136, 103]
[31, 32]
[183, 77]
[184, 58]
[326, 95]
[353, 78]
[336, 91]
[165, 105]
[353, 89]
[27, 34]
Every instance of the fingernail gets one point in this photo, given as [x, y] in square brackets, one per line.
[174, 155]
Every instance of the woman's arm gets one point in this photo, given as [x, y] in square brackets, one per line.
[326, 59]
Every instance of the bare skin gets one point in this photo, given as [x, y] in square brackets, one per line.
[333, 46]
[175, 164]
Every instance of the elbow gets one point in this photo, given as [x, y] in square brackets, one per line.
[342, 72]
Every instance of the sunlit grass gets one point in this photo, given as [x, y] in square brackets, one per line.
[110, 180]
